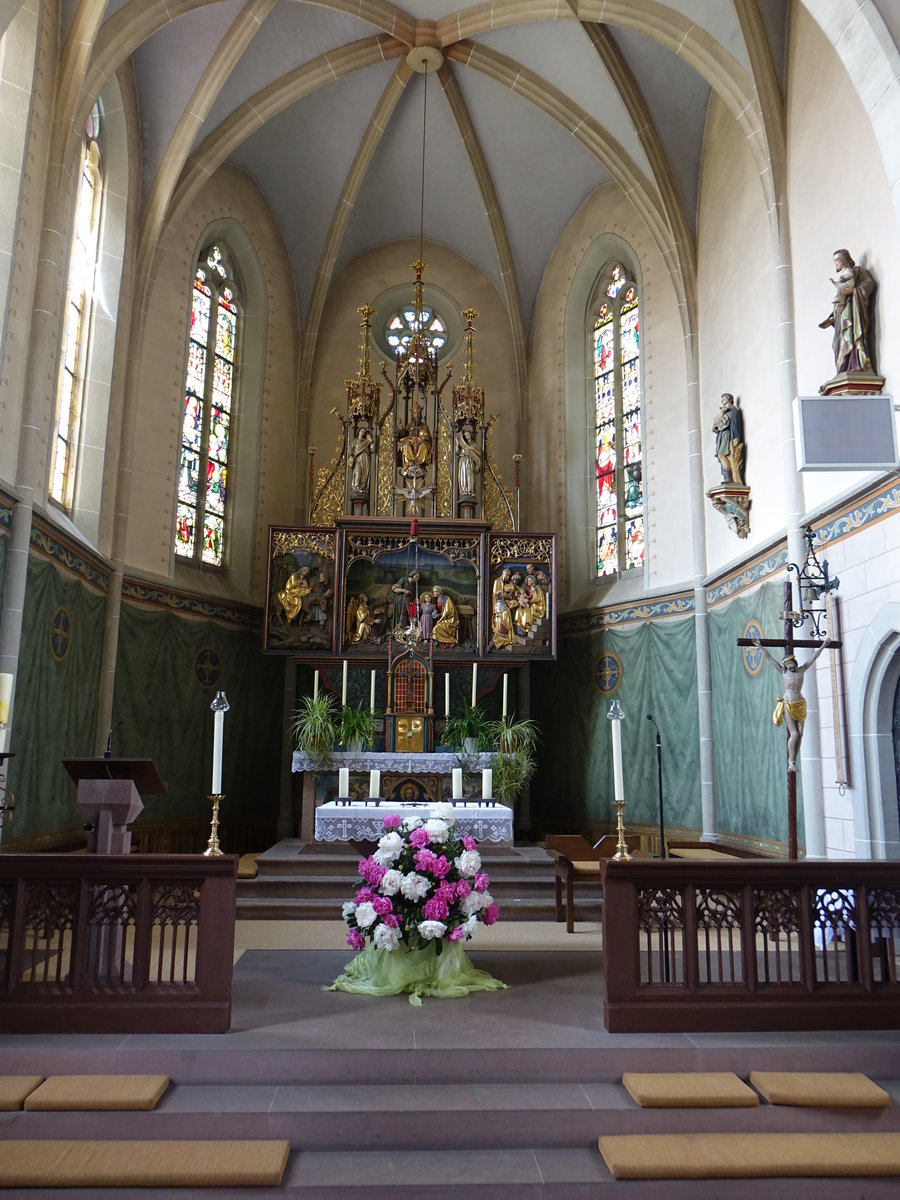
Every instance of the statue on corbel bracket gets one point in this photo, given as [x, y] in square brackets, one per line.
[732, 496]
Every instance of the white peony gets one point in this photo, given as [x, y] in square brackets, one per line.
[387, 938]
[432, 929]
[468, 863]
[444, 812]
[411, 823]
[391, 843]
[469, 904]
[390, 883]
[469, 925]
[348, 909]
[365, 915]
[437, 830]
[384, 858]
[414, 887]
[486, 899]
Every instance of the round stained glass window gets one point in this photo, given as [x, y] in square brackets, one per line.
[403, 324]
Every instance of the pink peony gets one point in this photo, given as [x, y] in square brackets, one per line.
[392, 821]
[419, 837]
[435, 909]
[463, 888]
[425, 860]
[447, 891]
[365, 895]
[382, 905]
[440, 868]
[457, 935]
[491, 913]
[391, 920]
[469, 843]
[371, 871]
[355, 939]
[482, 881]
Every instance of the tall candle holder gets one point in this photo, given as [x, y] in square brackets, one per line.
[212, 849]
[615, 716]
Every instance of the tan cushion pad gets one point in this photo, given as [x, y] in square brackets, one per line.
[689, 1089]
[750, 1155]
[155, 1164]
[696, 852]
[820, 1089]
[587, 867]
[106, 1093]
[247, 868]
[14, 1089]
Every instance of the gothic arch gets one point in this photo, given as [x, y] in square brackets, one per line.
[873, 684]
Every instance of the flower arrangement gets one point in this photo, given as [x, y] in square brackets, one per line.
[422, 884]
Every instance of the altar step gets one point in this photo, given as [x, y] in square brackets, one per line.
[311, 880]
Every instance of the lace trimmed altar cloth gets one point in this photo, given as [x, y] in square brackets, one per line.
[359, 822]
[409, 764]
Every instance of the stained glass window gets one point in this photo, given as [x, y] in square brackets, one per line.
[76, 322]
[401, 325]
[201, 516]
[618, 439]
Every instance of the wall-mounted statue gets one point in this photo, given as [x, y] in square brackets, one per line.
[729, 430]
[851, 316]
[360, 458]
[468, 461]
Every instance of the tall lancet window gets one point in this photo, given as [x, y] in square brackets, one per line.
[77, 319]
[617, 401]
[201, 522]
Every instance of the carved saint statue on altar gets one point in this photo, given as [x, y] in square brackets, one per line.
[468, 461]
[446, 628]
[360, 458]
[851, 315]
[791, 707]
[359, 619]
[296, 588]
[415, 445]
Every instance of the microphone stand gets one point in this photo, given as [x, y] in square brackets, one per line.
[662, 833]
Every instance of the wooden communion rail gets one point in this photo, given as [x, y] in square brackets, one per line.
[761, 945]
[116, 943]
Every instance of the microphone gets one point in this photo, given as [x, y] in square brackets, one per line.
[107, 753]
[654, 724]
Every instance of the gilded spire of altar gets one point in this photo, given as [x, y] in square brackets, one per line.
[363, 395]
[468, 397]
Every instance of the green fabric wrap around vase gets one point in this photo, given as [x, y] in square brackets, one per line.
[424, 972]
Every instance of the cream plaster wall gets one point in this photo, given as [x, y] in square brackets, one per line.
[18, 47]
[337, 349]
[838, 196]
[561, 445]
[737, 334]
[229, 196]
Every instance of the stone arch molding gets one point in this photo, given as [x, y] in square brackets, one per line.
[873, 683]
[867, 51]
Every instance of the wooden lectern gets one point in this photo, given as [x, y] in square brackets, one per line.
[109, 795]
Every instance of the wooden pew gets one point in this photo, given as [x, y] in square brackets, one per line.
[575, 858]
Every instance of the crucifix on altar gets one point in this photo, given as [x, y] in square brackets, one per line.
[814, 584]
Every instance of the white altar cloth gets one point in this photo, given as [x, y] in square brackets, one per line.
[409, 764]
[365, 823]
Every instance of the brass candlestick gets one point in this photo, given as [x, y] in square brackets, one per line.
[212, 849]
[621, 854]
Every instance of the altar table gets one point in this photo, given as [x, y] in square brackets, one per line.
[358, 822]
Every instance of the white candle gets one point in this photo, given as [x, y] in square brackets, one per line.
[372, 697]
[218, 736]
[618, 780]
[6, 683]
[487, 783]
[474, 682]
[316, 686]
[374, 782]
[505, 692]
[447, 694]
[344, 686]
[457, 783]
[344, 782]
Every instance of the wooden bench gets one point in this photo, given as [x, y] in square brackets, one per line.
[575, 858]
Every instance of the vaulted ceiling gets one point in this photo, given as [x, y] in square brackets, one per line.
[534, 106]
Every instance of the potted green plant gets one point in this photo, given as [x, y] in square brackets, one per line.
[514, 763]
[469, 730]
[357, 728]
[315, 727]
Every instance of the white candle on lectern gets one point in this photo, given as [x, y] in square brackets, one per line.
[487, 783]
[344, 782]
[505, 692]
[316, 686]
[614, 716]
[474, 683]
[447, 694]
[6, 683]
[220, 707]
[374, 782]
[457, 783]
[372, 697]
[344, 686]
